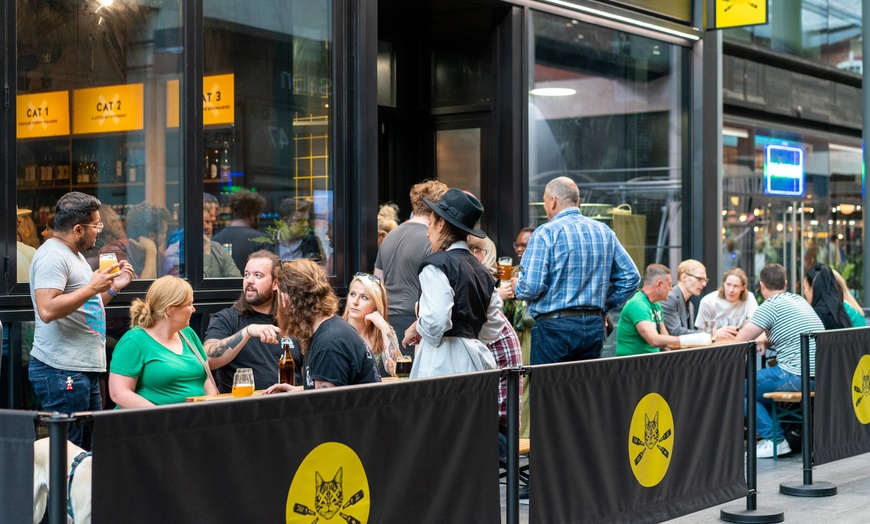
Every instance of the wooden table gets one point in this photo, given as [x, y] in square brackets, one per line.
[220, 396]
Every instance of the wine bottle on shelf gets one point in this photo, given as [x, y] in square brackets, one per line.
[225, 165]
[213, 167]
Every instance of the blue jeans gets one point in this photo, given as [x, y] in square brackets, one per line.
[567, 339]
[66, 392]
[771, 379]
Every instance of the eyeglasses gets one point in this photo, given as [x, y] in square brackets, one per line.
[701, 280]
[369, 276]
[478, 249]
[98, 226]
[518, 245]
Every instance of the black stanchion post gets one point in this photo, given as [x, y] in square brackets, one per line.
[513, 445]
[752, 514]
[807, 489]
[58, 430]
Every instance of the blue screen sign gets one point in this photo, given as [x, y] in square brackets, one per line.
[784, 171]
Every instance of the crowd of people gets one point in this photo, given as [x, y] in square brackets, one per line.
[431, 296]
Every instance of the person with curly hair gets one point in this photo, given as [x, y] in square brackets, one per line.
[334, 353]
[402, 252]
[161, 359]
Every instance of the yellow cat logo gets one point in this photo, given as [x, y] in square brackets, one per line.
[329, 486]
[651, 440]
[861, 390]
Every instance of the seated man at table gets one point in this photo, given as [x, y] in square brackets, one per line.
[678, 310]
[245, 335]
[783, 316]
[641, 329]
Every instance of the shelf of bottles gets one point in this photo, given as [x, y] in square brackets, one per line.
[110, 167]
[220, 178]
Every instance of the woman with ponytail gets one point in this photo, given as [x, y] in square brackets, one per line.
[161, 359]
[825, 296]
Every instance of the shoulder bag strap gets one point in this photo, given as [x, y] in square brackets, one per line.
[201, 361]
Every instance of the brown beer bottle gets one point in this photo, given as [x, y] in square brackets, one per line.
[286, 365]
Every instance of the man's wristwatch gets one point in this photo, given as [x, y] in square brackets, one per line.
[111, 292]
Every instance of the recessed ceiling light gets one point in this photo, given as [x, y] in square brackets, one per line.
[552, 91]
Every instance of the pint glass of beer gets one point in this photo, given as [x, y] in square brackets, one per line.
[403, 366]
[243, 382]
[106, 260]
[505, 269]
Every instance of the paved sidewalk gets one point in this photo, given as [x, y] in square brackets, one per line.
[851, 504]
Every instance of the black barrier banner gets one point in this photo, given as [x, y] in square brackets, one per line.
[841, 416]
[17, 433]
[637, 439]
[405, 451]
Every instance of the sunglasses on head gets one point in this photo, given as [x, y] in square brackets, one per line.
[369, 276]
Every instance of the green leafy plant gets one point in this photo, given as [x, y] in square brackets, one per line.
[281, 230]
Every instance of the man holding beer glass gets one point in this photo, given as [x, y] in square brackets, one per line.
[245, 335]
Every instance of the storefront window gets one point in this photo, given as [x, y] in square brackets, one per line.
[821, 221]
[825, 31]
[268, 93]
[91, 117]
[605, 110]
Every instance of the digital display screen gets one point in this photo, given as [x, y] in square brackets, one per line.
[784, 173]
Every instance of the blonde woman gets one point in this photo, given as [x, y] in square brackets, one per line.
[731, 305]
[366, 310]
[160, 360]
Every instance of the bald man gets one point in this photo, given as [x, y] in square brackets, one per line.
[574, 271]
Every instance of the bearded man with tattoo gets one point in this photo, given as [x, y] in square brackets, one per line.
[245, 335]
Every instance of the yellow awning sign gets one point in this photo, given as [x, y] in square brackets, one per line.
[218, 100]
[108, 109]
[737, 13]
[42, 114]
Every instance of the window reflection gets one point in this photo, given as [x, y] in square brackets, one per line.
[275, 57]
[604, 111]
[91, 102]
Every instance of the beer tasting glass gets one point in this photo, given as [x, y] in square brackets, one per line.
[106, 260]
[403, 366]
[243, 382]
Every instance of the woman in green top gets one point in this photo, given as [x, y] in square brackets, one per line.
[154, 363]
[853, 307]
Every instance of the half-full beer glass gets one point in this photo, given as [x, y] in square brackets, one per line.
[243, 382]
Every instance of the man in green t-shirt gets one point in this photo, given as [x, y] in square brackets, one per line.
[641, 328]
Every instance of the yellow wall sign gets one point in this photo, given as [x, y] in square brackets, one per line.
[42, 114]
[218, 100]
[107, 109]
[736, 13]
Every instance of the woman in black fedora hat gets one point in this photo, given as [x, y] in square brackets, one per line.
[458, 310]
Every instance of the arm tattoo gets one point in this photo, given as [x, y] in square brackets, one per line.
[222, 346]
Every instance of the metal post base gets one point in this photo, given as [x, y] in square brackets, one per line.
[816, 489]
[758, 515]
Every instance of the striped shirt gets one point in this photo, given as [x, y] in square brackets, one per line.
[784, 317]
[575, 262]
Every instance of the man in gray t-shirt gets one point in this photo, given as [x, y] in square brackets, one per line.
[68, 300]
[400, 256]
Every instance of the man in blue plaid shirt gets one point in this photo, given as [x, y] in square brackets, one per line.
[574, 271]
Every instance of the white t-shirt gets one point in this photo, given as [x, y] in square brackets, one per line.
[724, 313]
[76, 342]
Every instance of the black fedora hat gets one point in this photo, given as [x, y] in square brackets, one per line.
[459, 209]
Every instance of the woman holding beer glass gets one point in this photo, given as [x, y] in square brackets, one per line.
[366, 310]
[458, 311]
[161, 359]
